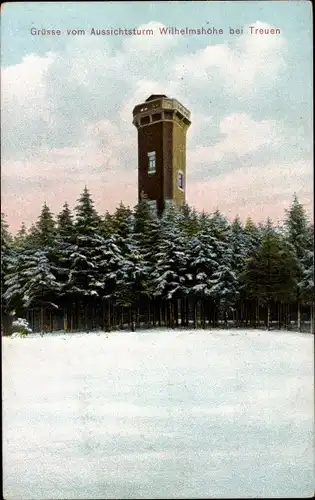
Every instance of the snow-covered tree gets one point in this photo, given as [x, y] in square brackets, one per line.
[296, 223]
[170, 271]
[21, 236]
[271, 271]
[133, 282]
[6, 255]
[147, 235]
[87, 220]
[297, 233]
[188, 221]
[122, 221]
[30, 280]
[252, 236]
[238, 246]
[65, 226]
[45, 228]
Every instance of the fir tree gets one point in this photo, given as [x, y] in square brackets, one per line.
[296, 223]
[6, 254]
[87, 219]
[132, 283]
[170, 272]
[45, 227]
[252, 235]
[238, 246]
[20, 238]
[122, 221]
[30, 280]
[106, 227]
[270, 275]
[65, 228]
[188, 221]
[147, 235]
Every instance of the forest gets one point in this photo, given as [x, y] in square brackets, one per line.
[80, 271]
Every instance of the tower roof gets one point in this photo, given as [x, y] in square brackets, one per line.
[155, 96]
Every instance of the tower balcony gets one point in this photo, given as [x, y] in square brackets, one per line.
[160, 108]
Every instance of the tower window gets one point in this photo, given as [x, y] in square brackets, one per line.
[181, 180]
[152, 162]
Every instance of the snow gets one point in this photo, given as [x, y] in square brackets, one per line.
[158, 414]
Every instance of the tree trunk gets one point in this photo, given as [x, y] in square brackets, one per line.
[108, 317]
[104, 316]
[299, 316]
[133, 323]
[65, 318]
[257, 315]
[195, 314]
[86, 317]
[176, 313]
[138, 317]
[204, 312]
[172, 323]
[149, 315]
[182, 312]
[153, 313]
[312, 319]
[42, 319]
[187, 312]
[268, 316]
[279, 315]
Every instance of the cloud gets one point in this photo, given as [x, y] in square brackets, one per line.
[25, 108]
[253, 61]
[253, 191]
[241, 135]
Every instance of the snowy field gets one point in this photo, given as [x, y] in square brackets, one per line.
[158, 414]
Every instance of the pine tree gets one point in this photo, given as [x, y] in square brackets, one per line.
[252, 236]
[32, 239]
[45, 227]
[87, 219]
[108, 264]
[306, 282]
[6, 254]
[147, 235]
[270, 274]
[21, 236]
[122, 221]
[65, 227]
[170, 272]
[225, 283]
[106, 227]
[31, 282]
[132, 277]
[188, 221]
[238, 246]
[219, 226]
[61, 258]
[296, 224]
[204, 253]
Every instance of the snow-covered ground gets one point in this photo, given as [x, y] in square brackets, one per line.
[158, 414]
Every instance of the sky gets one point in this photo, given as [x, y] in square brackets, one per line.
[67, 103]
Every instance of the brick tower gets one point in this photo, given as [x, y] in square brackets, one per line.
[162, 125]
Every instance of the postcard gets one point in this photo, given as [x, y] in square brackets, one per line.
[157, 249]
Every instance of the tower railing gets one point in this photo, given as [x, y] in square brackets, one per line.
[159, 105]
